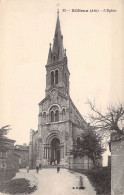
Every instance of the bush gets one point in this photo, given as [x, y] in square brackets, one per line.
[17, 186]
[8, 174]
[100, 179]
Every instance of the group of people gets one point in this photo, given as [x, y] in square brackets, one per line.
[54, 162]
[39, 167]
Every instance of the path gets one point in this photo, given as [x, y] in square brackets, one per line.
[50, 182]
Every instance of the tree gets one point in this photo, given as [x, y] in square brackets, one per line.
[111, 121]
[3, 133]
[90, 145]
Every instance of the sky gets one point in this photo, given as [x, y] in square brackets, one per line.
[94, 44]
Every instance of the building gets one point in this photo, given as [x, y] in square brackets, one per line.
[8, 159]
[117, 163]
[14, 157]
[23, 152]
[59, 121]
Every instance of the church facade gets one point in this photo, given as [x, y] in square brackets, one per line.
[59, 121]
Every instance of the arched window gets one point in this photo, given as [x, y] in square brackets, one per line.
[44, 115]
[56, 77]
[52, 116]
[78, 142]
[63, 114]
[56, 115]
[63, 111]
[52, 77]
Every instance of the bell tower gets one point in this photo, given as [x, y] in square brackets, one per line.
[57, 73]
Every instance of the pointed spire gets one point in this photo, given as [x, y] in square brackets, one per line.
[49, 60]
[58, 29]
[57, 50]
[57, 12]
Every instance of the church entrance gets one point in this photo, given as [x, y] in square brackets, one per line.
[55, 151]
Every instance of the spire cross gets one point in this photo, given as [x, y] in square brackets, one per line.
[58, 8]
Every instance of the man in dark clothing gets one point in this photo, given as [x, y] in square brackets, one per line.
[58, 168]
[39, 166]
[37, 169]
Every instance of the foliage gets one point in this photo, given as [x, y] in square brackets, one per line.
[100, 179]
[3, 136]
[111, 121]
[90, 145]
[7, 174]
[17, 186]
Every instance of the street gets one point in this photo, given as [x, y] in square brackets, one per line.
[49, 182]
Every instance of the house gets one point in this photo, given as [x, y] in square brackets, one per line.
[23, 152]
[8, 159]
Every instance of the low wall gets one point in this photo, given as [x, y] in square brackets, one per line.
[80, 163]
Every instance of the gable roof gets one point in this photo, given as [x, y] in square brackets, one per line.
[77, 111]
[46, 98]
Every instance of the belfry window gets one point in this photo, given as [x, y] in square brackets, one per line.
[56, 77]
[56, 115]
[36, 146]
[52, 77]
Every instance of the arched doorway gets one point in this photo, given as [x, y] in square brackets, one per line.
[55, 150]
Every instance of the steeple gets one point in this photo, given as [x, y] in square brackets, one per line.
[57, 73]
[57, 52]
[49, 55]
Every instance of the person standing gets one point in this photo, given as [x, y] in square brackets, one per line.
[37, 169]
[40, 166]
[58, 168]
[27, 169]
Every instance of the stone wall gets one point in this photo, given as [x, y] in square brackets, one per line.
[24, 157]
[32, 149]
[117, 167]
[80, 163]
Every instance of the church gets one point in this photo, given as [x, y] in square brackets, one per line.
[59, 121]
